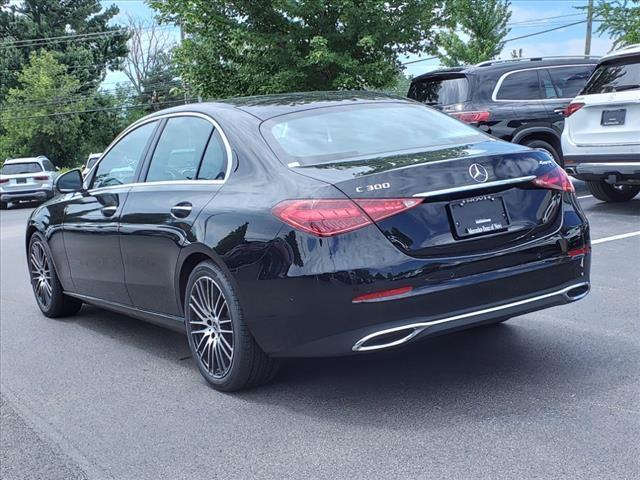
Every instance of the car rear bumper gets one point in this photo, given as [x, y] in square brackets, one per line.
[597, 167]
[28, 195]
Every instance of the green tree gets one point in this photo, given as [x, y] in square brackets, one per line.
[80, 32]
[484, 22]
[40, 117]
[620, 19]
[245, 47]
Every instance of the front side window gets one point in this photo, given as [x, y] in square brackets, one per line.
[520, 86]
[179, 149]
[119, 165]
[615, 76]
[19, 168]
[568, 81]
[330, 134]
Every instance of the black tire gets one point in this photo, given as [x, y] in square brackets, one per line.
[52, 301]
[3, 205]
[226, 353]
[611, 193]
[545, 146]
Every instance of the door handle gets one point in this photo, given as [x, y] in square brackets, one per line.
[109, 211]
[181, 210]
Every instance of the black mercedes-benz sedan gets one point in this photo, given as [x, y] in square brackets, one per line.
[309, 225]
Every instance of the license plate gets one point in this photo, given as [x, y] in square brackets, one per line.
[613, 117]
[479, 216]
[21, 180]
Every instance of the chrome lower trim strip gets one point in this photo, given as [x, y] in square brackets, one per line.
[416, 328]
[477, 186]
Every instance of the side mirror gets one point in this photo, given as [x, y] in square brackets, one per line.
[70, 181]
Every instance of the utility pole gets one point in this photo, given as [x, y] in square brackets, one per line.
[587, 40]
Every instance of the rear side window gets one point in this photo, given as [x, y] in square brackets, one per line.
[568, 81]
[440, 90]
[615, 76]
[214, 163]
[120, 164]
[48, 166]
[179, 149]
[520, 86]
[18, 168]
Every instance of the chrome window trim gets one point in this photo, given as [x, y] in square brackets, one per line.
[505, 75]
[144, 121]
[475, 186]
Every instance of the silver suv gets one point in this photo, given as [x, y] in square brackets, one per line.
[26, 179]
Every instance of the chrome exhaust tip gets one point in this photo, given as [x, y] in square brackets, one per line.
[578, 292]
[387, 338]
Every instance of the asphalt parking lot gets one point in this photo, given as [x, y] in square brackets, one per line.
[554, 394]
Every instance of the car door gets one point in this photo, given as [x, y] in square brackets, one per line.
[91, 219]
[186, 169]
[521, 89]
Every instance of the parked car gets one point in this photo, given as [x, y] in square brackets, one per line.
[91, 161]
[316, 224]
[518, 100]
[601, 140]
[26, 179]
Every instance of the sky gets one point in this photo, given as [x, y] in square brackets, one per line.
[528, 16]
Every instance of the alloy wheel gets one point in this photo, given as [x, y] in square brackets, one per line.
[40, 267]
[210, 326]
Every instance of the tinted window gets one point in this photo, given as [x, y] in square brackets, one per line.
[520, 86]
[179, 149]
[214, 164]
[119, 165]
[440, 91]
[548, 90]
[48, 166]
[568, 81]
[18, 168]
[92, 161]
[334, 133]
[615, 76]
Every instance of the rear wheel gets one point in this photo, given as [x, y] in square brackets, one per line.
[3, 205]
[45, 283]
[541, 144]
[226, 353]
[612, 193]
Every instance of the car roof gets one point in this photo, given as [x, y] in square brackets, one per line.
[24, 160]
[267, 106]
[502, 66]
[623, 52]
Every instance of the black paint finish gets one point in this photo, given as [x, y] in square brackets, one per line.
[121, 248]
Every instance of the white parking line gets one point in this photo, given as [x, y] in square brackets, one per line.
[615, 237]
[585, 196]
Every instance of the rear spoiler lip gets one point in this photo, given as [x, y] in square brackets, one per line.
[476, 186]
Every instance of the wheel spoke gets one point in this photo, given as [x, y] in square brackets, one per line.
[207, 313]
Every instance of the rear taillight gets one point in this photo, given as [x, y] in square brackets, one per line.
[4, 180]
[326, 218]
[471, 117]
[385, 294]
[572, 108]
[578, 251]
[556, 179]
[41, 177]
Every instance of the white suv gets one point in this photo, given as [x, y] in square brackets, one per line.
[26, 179]
[601, 137]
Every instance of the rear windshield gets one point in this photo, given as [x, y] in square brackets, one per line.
[18, 168]
[615, 76]
[440, 90]
[367, 130]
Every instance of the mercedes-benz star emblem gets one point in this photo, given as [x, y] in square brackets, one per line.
[478, 173]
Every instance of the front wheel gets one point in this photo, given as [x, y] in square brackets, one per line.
[45, 282]
[226, 353]
[3, 205]
[612, 193]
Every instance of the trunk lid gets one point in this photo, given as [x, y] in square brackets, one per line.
[462, 186]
